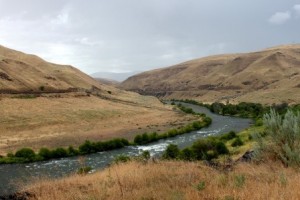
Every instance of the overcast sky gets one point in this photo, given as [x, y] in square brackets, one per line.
[138, 35]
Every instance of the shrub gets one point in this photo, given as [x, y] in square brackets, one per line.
[200, 149]
[259, 122]
[171, 152]
[10, 155]
[42, 88]
[284, 134]
[153, 137]
[138, 139]
[146, 155]
[26, 153]
[72, 151]
[187, 154]
[124, 142]
[207, 120]
[237, 142]
[200, 186]
[145, 138]
[250, 137]
[45, 153]
[86, 148]
[221, 148]
[209, 148]
[185, 109]
[228, 136]
[162, 136]
[172, 133]
[239, 180]
[121, 159]
[196, 125]
[84, 170]
[59, 153]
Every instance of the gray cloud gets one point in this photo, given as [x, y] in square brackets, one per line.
[134, 35]
[280, 17]
[297, 9]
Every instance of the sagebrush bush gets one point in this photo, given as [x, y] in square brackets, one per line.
[283, 140]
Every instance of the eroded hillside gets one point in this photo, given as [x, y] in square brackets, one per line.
[268, 76]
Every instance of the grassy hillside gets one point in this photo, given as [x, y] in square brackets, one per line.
[48, 105]
[268, 76]
[20, 72]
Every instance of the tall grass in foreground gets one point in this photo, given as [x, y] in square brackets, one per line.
[175, 180]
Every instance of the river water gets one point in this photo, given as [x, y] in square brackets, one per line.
[16, 173]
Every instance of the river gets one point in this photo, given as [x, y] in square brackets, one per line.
[12, 174]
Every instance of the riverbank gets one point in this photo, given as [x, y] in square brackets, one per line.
[61, 120]
[258, 174]
[57, 168]
[26, 155]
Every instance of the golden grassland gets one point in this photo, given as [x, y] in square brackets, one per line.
[73, 107]
[175, 180]
[267, 76]
[58, 122]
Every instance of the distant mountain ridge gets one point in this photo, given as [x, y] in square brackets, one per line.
[121, 76]
[268, 76]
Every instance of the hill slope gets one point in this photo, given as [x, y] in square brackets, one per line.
[268, 76]
[20, 72]
[70, 108]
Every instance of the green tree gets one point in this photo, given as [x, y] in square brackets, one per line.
[26, 153]
[59, 153]
[87, 147]
[171, 152]
[138, 139]
[45, 153]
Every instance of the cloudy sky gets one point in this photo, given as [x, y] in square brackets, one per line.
[138, 35]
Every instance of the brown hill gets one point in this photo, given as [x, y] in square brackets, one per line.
[20, 72]
[49, 105]
[268, 76]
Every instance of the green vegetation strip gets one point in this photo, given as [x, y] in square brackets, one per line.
[277, 136]
[256, 111]
[26, 155]
[203, 149]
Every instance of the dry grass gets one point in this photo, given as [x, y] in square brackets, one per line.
[175, 180]
[56, 122]
[268, 76]
[69, 118]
